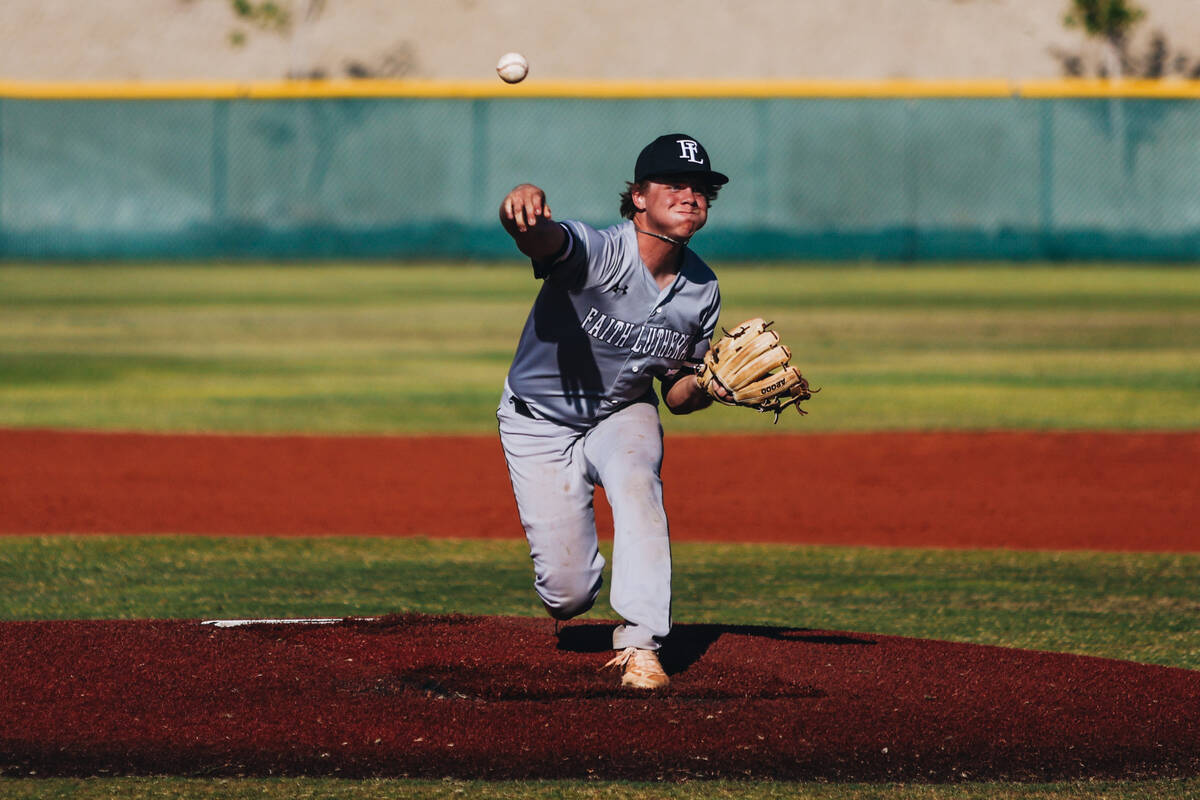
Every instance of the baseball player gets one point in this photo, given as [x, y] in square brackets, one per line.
[618, 308]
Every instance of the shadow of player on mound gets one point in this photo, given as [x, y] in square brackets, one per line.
[688, 644]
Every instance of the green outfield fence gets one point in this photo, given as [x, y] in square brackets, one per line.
[890, 170]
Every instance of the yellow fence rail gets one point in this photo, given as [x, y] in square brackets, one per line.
[598, 89]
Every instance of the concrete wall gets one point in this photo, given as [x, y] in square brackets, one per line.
[197, 39]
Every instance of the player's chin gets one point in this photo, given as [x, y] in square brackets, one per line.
[689, 224]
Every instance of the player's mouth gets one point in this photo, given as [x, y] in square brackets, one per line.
[690, 216]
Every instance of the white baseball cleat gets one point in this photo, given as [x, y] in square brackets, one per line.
[642, 669]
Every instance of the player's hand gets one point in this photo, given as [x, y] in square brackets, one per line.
[523, 207]
[721, 393]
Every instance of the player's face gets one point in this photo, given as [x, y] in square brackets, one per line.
[676, 206]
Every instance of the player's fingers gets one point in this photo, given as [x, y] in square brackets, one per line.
[721, 392]
[533, 209]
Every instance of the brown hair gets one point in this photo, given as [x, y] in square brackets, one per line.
[628, 209]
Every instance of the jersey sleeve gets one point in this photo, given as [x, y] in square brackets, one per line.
[588, 258]
[564, 264]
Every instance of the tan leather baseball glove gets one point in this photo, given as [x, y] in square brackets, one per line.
[752, 364]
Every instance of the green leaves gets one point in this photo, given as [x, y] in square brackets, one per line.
[1110, 19]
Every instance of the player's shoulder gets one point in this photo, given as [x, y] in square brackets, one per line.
[613, 233]
[614, 240]
[581, 227]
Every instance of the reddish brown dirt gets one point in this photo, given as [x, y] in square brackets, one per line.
[501, 698]
[1016, 490]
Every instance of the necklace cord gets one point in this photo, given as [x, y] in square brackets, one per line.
[677, 242]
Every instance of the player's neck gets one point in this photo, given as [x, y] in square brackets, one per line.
[662, 259]
[661, 254]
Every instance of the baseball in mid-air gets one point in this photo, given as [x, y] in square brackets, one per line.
[512, 68]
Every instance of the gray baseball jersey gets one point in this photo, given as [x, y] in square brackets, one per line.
[578, 410]
[601, 329]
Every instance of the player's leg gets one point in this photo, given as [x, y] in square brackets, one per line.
[554, 500]
[625, 454]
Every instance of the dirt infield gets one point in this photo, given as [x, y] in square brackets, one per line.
[500, 698]
[505, 698]
[1017, 490]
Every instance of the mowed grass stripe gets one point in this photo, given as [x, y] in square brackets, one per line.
[837, 284]
[408, 349]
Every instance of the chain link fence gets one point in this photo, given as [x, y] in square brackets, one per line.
[811, 178]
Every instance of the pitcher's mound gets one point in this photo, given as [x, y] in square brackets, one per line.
[499, 697]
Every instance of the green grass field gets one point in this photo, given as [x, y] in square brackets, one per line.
[424, 348]
[412, 349]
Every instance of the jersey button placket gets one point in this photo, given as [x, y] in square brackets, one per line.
[654, 316]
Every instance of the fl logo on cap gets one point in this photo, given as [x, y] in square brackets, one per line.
[688, 150]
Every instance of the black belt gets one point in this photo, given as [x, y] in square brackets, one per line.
[521, 407]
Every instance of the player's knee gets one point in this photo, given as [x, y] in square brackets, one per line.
[637, 482]
[567, 595]
[562, 610]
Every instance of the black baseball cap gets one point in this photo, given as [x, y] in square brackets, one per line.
[675, 154]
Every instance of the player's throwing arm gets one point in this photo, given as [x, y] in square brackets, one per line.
[521, 212]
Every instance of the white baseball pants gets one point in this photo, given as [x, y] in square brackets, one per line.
[554, 471]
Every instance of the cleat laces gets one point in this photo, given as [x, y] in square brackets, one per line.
[641, 668]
